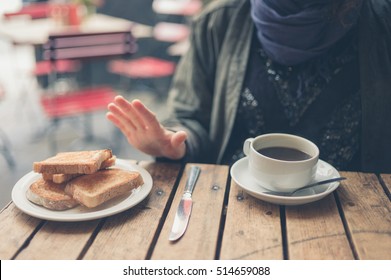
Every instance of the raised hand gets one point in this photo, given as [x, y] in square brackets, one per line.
[143, 130]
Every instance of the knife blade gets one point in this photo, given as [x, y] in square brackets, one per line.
[182, 215]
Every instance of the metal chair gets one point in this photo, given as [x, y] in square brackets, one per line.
[5, 144]
[84, 101]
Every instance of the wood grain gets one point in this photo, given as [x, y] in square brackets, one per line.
[201, 237]
[316, 231]
[387, 183]
[367, 211]
[15, 229]
[129, 235]
[59, 241]
[353, 222]
[252, 228]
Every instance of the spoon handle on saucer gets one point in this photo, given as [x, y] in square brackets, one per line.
[307, 186]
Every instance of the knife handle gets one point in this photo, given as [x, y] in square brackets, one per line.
[191, 181]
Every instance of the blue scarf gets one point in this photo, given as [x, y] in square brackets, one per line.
[293, 31]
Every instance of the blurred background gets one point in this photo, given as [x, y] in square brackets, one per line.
[51, 104]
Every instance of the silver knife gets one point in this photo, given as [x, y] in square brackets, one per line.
[184, 209]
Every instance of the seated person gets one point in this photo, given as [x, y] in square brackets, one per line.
[316, 68]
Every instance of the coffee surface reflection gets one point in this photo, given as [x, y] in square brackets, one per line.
[284, 153]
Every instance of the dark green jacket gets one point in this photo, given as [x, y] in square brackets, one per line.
[206, 88]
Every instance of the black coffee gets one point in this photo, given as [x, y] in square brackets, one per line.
[284, 153]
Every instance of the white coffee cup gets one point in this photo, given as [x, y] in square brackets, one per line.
[281, 174]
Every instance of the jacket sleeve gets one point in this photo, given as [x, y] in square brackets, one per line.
[190, 99]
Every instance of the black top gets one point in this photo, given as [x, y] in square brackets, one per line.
[318, 99]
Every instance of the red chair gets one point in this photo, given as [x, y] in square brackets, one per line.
[143, 68]
[81, 47]
[44, 10]
[44, 67]
[82, 101]
[65, 68]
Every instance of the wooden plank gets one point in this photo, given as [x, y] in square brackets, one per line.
[15, 228]
[129, 235]
[367, 212]
[201, 237]
[252, 228]
[316, 231]
[59, 241]
[387, 183]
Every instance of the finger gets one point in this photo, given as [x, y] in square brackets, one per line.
[121, 117]
[178, 138]
[110, 116]
[130, 112]
[178, 145]
[124, 129]
[120, 99]
[147, 115]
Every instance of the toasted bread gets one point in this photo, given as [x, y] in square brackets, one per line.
[50, 195]
[108, 163]
[59, 178]
[62, 178]
[95, 189]
[82, 162]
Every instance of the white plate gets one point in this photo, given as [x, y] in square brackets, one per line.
[81, 213]
[241, 176]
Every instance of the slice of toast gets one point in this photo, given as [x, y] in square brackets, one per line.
[59, 178]
[82, 162]
[50, 195]
[95, 189]
[62, 178]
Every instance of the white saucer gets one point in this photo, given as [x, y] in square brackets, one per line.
[241, 176]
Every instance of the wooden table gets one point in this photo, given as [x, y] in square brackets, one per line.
[354, 222]
[37, 31]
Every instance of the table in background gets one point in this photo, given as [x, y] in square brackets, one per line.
[352, 223]
[37, 31]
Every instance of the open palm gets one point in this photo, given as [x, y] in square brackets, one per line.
[143, 130]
